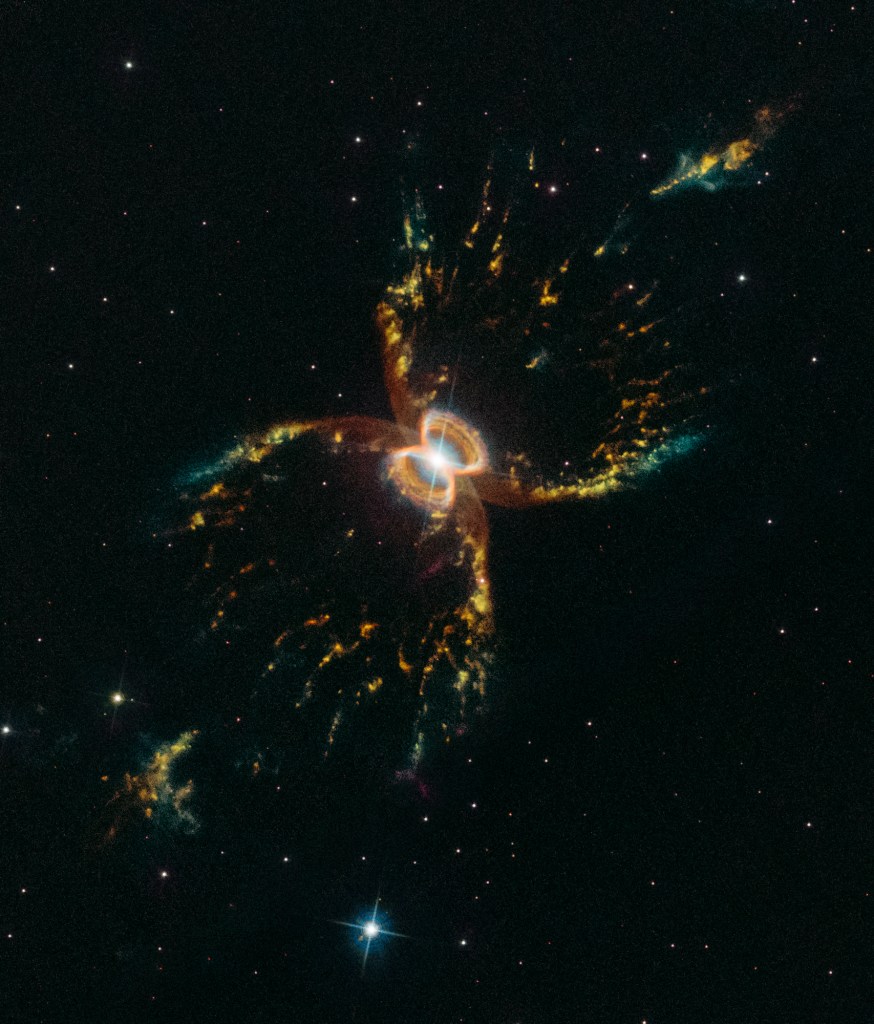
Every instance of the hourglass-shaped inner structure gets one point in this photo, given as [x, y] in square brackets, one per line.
[448, 448]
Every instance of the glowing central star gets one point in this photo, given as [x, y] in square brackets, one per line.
[449, 448]
[437, 460]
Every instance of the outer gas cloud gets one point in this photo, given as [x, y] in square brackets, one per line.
[343, 563]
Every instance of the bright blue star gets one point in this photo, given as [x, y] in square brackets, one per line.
[370, 930]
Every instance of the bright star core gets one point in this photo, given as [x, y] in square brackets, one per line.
[449, 448]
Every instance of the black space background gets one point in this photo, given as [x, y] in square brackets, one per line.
[703, 851]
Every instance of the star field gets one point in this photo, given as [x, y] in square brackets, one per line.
[661, 812]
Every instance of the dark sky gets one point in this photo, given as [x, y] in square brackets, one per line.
[664, 813]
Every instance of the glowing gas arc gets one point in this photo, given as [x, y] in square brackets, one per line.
[448, 448]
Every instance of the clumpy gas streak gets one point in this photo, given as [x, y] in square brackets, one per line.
[152, 791]
[711, 170]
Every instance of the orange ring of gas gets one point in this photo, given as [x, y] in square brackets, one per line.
[425, 473]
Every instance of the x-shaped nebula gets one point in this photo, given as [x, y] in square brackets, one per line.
[476, 355]
[342, 563]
